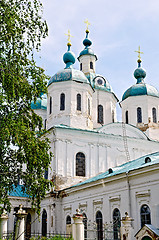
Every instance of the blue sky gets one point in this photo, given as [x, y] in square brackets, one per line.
[117, 28]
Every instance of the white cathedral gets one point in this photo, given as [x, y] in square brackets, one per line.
[100, 166]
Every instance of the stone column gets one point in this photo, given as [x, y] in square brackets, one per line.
[20, 229]
[78, 226]
[126, 229]
[3, 225]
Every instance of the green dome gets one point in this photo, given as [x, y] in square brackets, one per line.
[41, 102]
[69, 74]
[140, 88]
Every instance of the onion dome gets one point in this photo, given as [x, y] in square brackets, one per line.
[41, 102]
[69, 57]
[140, 88]
[87, 50]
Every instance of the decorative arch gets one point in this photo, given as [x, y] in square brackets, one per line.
[68, 225]
[99, 222]
[139, 115]
[116, 223]
[62, 102]
[100, 114]
[145, 215]
[79, 102]
[80, 164]
[154, 115]
[44, 223]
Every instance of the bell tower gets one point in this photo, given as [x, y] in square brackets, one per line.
[87, 58]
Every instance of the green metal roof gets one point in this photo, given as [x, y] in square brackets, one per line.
[41, 103]
[126, 167]
[140, 89]
[67, 75]
[18, 192]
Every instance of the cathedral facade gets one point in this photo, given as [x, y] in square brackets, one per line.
[101, 166]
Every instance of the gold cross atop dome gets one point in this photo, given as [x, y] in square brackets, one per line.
[139, 52]
[69, 37]
[87, 23]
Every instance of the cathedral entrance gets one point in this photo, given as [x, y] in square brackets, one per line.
[28, 226]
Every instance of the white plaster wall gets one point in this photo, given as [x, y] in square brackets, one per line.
[102, 151]
[70, 116]
[145, 102]
[108, 101]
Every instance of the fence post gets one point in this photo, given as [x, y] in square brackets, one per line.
[3, 225]
[78, 226]
[126, 229]
[19, 230]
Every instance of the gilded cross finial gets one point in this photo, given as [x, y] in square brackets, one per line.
[87, 23]
[139, 52]
[69, 38]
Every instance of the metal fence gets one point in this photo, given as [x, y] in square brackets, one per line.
[11, 236]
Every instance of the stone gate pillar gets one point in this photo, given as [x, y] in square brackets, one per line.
[20, 227]
[78, 226]
[126, 229]
[3, 225]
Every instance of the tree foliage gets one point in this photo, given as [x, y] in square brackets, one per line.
[23, 153]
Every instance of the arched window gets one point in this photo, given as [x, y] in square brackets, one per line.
[126, 117]
[50, 105]
[62, 101]
[85, 225]
[46, 174]
[89, 107]
[91, 65]
[145, 215]
[146, 238]
[45, 123]
[81, 66]
[154, 116]
[99, 222]
[113, 116]
[44, 223]
[100, 114]
[28, 226]
[116, 223]
[68, 220]
[80, 164]
[79, 102]
[139, 115]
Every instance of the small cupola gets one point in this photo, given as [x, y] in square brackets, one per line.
[87, 57]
